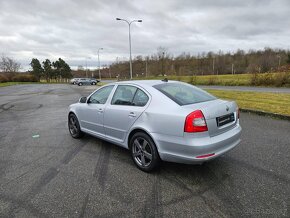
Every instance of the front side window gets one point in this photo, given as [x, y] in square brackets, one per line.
[100, 96]
[129, 95]
[184, 94]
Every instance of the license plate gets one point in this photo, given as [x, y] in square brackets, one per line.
[223, 120]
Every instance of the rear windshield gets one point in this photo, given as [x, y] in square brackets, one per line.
[184, 94]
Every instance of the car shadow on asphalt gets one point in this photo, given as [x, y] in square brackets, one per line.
[179, 169]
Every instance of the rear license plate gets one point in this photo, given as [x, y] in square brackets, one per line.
[223, 120]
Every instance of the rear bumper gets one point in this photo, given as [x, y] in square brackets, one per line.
[187, 149]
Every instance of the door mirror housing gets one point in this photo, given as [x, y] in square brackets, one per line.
[83, 100]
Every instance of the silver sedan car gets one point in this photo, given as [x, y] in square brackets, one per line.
[158, 120]
[86, 81]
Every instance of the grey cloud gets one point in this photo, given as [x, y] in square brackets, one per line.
[75, 29]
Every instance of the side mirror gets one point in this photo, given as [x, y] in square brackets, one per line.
[83, 100]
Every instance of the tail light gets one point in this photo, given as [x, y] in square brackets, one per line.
[195, 122]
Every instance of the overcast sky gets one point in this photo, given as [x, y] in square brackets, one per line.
[75, 29]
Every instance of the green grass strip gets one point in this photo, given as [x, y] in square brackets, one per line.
[263, 101]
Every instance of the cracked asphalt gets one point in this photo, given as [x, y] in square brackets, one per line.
[44, 172]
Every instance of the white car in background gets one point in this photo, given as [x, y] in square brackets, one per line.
[74, 81]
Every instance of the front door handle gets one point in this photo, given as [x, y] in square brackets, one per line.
[132, 114]
[100, 110]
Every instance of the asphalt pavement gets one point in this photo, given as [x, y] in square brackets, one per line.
[44, 172]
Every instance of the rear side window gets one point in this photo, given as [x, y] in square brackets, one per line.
[140, 98]
[129, 95]
[184, 94]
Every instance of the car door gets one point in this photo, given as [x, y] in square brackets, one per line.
[127, 105]
[92, 114]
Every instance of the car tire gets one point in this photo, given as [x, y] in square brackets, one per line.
[93, 83]
[74, 126]
[80, 84]
[144, 152]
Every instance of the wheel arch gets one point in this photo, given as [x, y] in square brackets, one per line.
[139, 129]
[73, 112]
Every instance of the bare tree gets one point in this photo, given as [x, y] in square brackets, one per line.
[162, 54]
[81, 68]
[8, 65]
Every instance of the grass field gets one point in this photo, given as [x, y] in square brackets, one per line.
[269, 102]
[231, 80]
[265, 79]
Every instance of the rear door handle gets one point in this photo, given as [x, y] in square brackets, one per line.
[100, 110]
[132, 114]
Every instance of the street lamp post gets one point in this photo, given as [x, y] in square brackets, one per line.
[129, 24]
[100, 77]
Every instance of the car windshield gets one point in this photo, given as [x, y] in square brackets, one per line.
[184, 94]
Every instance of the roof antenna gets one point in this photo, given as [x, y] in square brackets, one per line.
[165, 80]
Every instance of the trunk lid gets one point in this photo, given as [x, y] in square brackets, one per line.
[220, 115]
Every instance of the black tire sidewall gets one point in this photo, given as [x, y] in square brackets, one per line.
[155, 156]
[79, 133]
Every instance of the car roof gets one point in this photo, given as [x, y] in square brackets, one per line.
[143, 82]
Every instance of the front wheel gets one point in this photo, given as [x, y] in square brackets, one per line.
[144, 152]
[74, 126]
[93, 83]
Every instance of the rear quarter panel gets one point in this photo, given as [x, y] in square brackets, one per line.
[162, 116]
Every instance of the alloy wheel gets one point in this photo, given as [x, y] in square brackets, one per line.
[73, 128]
[142, 152]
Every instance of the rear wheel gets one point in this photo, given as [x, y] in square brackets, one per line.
[74, 126]
[93, 83]
[144, 152]
[80, 84]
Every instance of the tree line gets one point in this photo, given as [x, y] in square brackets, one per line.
[58, 70]
[210, 63]
[164, 63]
